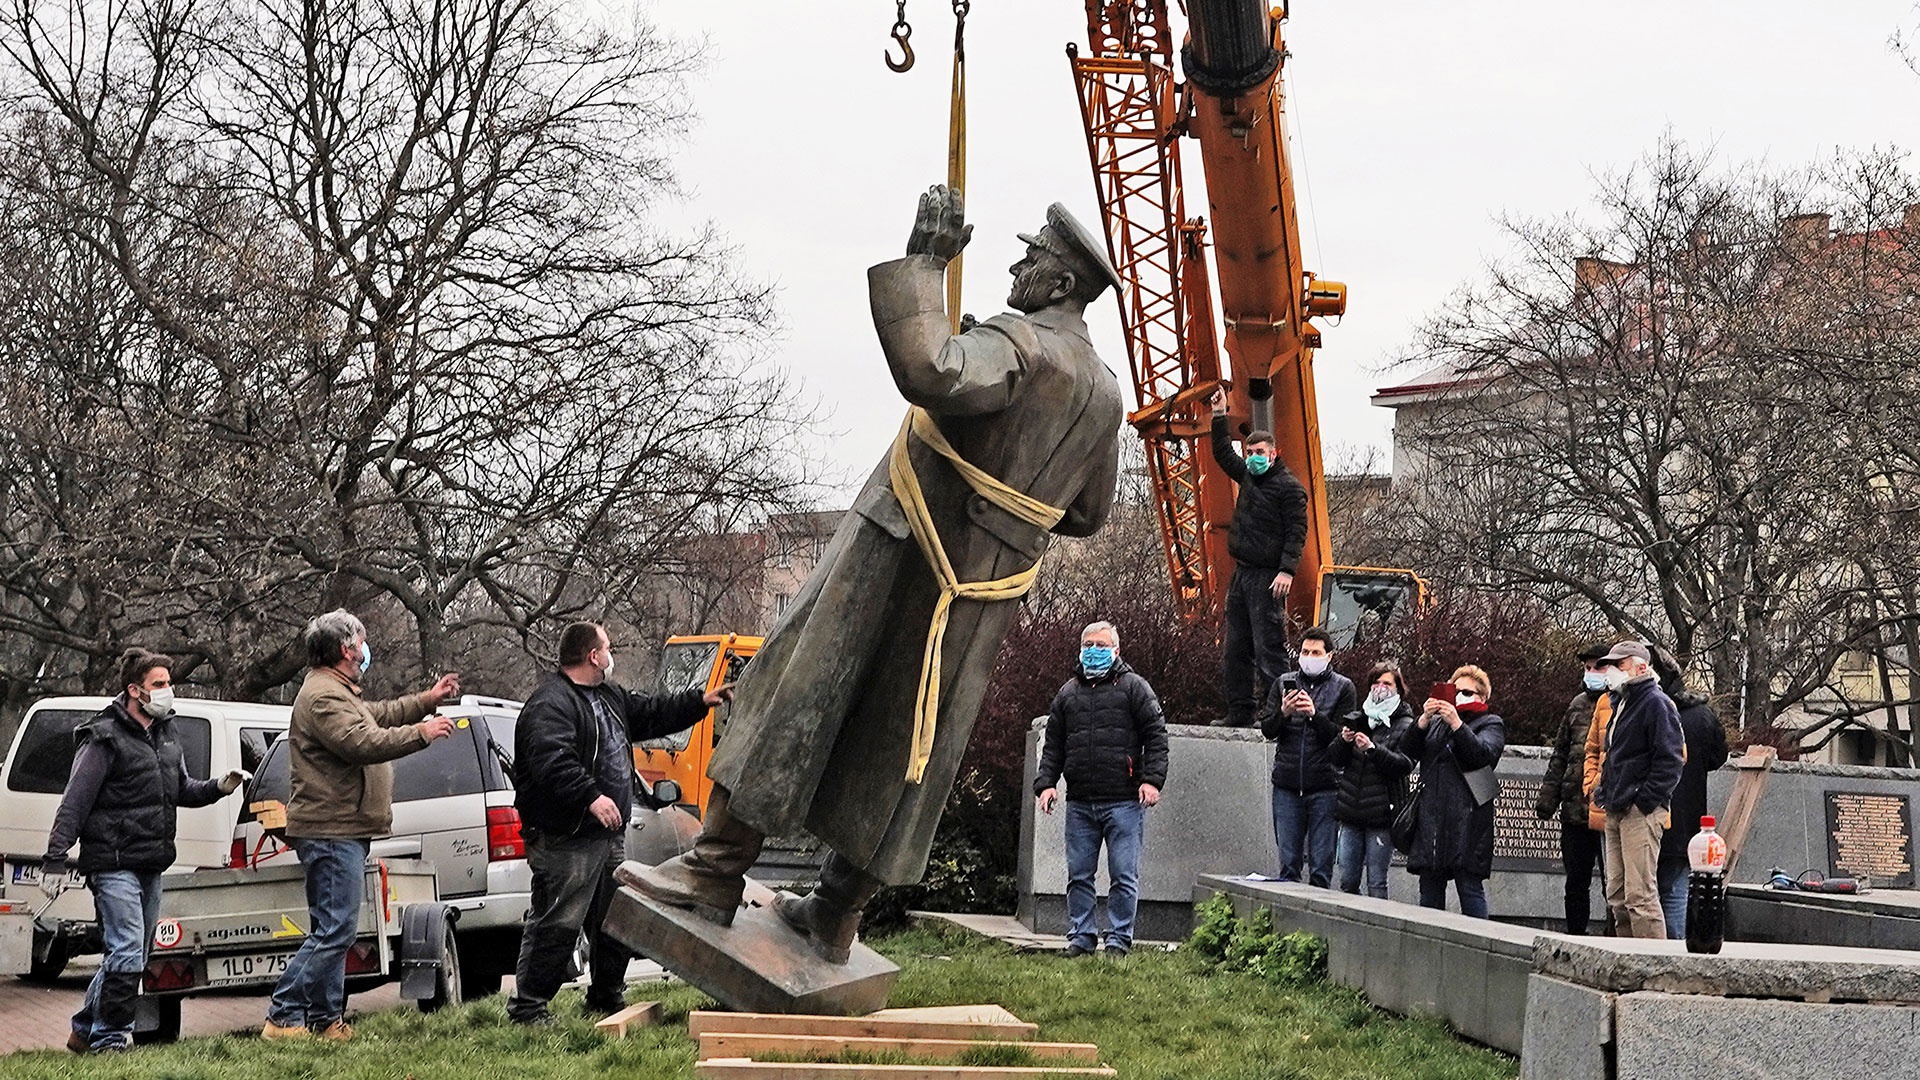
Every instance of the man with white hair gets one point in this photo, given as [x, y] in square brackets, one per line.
[1646, 749]
[340, 746]
[1106, 735]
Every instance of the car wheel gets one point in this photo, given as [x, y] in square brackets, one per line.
[447, 987]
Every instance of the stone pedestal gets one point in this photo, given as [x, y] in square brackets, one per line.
[756, 965]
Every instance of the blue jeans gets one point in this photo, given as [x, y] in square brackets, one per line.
[127, 903]
[1361, 846]
[1472, 890]
[1303, 827]
[1120, 825]
[313, 990]
[1671, 880]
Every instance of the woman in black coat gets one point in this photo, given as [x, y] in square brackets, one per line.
[1453, 833]
[1373, 780]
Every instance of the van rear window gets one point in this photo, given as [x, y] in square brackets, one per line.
[446, 767]
[45, 756]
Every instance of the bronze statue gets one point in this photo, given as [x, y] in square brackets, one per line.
[851, 720]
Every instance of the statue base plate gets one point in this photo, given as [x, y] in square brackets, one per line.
[759, 964]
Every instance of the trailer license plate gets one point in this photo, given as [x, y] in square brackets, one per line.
[246, 968]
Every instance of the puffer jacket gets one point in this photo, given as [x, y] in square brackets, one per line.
[121, 802]
[1373, 784]
[1269, 514]
[1106, 736]
[1563, 787]
[1303, 745]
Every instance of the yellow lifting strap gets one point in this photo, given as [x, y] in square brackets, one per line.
[906, 487]
[957, 145]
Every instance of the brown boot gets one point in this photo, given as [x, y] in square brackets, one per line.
[712, 877]
[829, 916]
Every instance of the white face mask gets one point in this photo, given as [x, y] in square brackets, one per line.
[1616, 678]
[1314, 665]
[159, 703]
[606, 669]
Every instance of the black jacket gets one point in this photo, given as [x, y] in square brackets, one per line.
[1453, 835]
[1270, 513]
[127, 783]
[557, 751]
[1373, 784]
[1706, 751]
[1106, 736]
[1303, 745]
[1644, 751]
[1563, 788]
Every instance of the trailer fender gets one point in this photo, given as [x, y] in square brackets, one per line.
[423, 933]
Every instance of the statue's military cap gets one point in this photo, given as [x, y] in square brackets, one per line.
[1073, 244]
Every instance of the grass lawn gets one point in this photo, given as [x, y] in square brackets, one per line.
[1155, 1015]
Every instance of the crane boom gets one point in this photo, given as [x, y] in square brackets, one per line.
[1233, 103]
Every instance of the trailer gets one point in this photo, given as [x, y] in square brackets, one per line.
[228, 929]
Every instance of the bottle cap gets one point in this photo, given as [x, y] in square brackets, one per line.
[1706, 821]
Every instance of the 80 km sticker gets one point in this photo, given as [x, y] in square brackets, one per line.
[167, 933]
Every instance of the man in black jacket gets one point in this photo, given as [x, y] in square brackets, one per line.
[1106, 735]
[129, 777]
[1304, 721]
[1563, 793]
[573, 766]
[1268, 531]
[1645, 753]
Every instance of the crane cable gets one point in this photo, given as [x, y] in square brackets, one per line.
[956, 120]
[957, 144]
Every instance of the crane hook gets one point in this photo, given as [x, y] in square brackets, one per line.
[901, 32]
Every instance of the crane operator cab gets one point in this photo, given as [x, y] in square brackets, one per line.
[1358, 602]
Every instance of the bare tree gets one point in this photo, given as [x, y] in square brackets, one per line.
[402, 316]
[1660, 418]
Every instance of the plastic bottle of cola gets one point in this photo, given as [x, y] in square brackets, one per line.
[1707, 890]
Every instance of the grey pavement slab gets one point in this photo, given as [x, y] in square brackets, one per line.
[1667, 1037]
[1568, 1027]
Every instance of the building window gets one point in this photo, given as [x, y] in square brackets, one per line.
[780, 602]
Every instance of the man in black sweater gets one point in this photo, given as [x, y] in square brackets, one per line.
[573, 766]
[1106, 735]
[1269, 529]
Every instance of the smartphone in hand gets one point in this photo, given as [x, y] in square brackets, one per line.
[1442, 691]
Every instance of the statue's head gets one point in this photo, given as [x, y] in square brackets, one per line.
[1063, 264]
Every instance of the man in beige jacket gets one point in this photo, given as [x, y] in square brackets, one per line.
[342, 798]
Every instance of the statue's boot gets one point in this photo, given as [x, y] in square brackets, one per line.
[712, 877]
[829, 916]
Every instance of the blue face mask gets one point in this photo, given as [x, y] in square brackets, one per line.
[1258, 464]
[366, 657]
[1096, 660]
[1594, 681]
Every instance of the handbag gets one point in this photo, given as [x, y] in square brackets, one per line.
[1406, 821]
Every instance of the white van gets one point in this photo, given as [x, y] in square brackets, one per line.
[216, 737]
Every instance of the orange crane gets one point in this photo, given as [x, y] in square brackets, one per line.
[1232, 102]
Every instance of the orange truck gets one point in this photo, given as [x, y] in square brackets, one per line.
[697, 661]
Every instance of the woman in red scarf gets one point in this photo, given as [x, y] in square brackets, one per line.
[1457, 744]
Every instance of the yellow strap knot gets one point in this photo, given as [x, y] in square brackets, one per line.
[906, 487]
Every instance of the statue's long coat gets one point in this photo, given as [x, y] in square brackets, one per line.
[822, 724]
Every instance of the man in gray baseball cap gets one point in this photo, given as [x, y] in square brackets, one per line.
[1645, 751]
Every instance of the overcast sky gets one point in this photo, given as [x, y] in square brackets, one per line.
[1416, 125]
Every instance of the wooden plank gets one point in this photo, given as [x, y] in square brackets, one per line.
[744, 1069]
[972, 1014]
[728, 1044]
[642, 1014]
[1743, 803]
[874, 1027]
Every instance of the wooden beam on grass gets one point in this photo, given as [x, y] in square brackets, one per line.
[744, 1069]
[642, 1014]
[731, 1044]
[875, 1026]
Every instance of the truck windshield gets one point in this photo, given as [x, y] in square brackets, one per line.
[683, 666]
